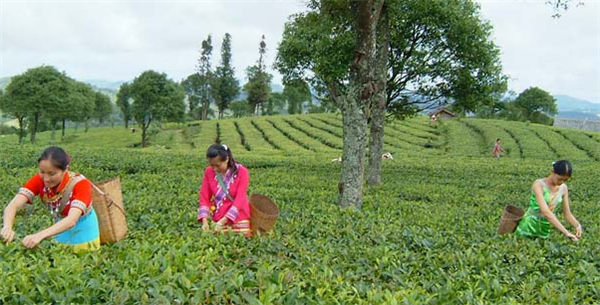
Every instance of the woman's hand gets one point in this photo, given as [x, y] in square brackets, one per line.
[7, 234]
[572, 236]
[205, 226]
[219, 224]
[578, 231]
[31, 241]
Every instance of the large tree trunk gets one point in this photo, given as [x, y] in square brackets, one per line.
[354, 133]
[357, 104]
[376, 141]
[126, 119]
[380, 102]
[64, 123]
[36, 118]
[87, 125]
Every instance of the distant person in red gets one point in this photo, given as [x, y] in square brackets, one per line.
[224, 192]
[497, 149]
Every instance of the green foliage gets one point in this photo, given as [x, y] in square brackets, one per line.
[259, 81]
[225, 87]
[439, 52]
[197, 85]
[103, 107]
[241, 108]
[401, 248]
[533, 105]
[124, 103]
[297, 94]
[155, 98]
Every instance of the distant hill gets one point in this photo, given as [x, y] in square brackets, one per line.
[568, 103]
[574, 108]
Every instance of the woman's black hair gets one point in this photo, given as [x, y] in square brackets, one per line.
[562, 167]
[497, 139]
[222, 151]
[57, 156]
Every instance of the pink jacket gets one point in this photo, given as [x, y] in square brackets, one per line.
[213, 199]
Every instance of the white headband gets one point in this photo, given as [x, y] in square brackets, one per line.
[225, 146]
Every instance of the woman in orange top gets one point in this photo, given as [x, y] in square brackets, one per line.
[68, 197]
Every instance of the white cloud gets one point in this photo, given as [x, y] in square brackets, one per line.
[560, 55]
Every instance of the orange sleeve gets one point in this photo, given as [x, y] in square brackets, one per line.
[81, 197]
[32, 188]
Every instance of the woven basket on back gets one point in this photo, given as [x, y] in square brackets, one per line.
[510, 219]
[264, 213]
[108, 203]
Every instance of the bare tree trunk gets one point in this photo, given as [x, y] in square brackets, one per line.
[21, 129]
[354, 133]
[357, 104]
[87, 125]
[380, 102]
[36, 118]
[63, 128]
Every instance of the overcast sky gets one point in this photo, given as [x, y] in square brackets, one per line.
[117, 40]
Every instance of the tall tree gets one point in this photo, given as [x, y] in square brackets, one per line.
[225, 87]
[259, 81]
[311, 43]
[437, 52]
[205, 72]
[155, 98]
[124, 103]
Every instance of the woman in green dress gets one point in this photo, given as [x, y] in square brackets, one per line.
[548, 195]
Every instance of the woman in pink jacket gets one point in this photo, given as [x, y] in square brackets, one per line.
[224, 192]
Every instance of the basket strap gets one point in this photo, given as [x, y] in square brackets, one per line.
[107, 198]
[224, 186]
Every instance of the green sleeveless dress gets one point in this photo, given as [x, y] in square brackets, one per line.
[533, 223]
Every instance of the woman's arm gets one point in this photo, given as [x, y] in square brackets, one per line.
[568, 215]
[545, 211]
[10, 212]
[30, 241]
[204, 202]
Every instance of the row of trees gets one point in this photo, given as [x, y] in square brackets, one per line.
[43, 95]
[219, 87]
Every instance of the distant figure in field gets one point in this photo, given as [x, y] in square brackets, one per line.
[497, 149]
[224, 192]
[549, 195]
[68, 197]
